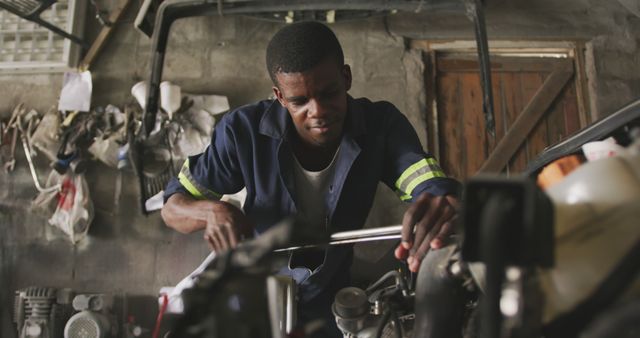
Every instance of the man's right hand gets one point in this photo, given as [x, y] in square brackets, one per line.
[224, 225]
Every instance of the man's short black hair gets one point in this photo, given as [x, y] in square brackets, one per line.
[300, 46]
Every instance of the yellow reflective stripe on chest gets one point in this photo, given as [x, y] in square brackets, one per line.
[417, 173]
[192, 186]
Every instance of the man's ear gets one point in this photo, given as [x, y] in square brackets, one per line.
[346, 73]
[278, 94]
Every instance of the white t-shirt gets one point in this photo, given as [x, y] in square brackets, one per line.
[311, 189]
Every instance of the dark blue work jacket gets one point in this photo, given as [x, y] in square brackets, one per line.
[251, 148]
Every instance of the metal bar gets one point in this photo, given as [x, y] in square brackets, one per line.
[34, 175]
[355, 236]
[244, 7]
[365, 233]
[475, 12]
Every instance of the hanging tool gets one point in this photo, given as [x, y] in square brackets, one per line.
[10, 164]
[18, 120]
[11, 126]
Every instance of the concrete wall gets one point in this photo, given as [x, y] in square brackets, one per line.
[129, 253]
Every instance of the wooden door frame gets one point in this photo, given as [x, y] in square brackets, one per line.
[433, 48]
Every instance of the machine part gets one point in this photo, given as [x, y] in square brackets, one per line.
[600, 197]
[506, 222]
[615, 284]
[281, 294]
[37, 305]
[529, 237]
[39, 313]
[594, 207]
[521, 302]
[230, 297]
[237, 308]
[88, 324]
[31, 10]
[92, 302]
[400, 282]
[378, 311]
[350, 309]
[497, 215]
[440, 296]
[622, 321]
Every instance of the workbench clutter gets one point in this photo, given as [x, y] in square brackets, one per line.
[183, 127]
[65, 195]
[72, 133]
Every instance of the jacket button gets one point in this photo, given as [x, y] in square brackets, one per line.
[330, 187]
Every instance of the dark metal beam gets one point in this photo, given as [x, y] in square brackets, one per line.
[172, 10]
[475, 11]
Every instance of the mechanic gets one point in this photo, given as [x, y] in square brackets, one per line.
[318, 154]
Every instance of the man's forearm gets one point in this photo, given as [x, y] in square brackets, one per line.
[185, 214]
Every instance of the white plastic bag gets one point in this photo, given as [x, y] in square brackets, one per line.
[106, 150]
[74, 211]
[47, 201]
[45, 137]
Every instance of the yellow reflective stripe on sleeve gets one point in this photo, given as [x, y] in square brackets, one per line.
[192, 186]
[424, 177]
[413, 168]
[405, 197]
[419, 168]
[189, 186]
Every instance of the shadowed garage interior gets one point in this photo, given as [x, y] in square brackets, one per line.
[423, 61]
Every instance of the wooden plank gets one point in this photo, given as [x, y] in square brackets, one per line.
[520, 99]
[581, 86]
[526, 121]
[104, 34]
[473, 126]
[498, 107]
[556, 117]
[433, 130]
[502, 64]
[449, 120]
[572, 116]
[538, 138]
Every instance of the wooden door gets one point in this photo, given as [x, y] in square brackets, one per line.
[535, 106]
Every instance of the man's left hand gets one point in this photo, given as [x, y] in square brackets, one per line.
[426, 225]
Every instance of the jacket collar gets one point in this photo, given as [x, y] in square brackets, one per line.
[276, 121]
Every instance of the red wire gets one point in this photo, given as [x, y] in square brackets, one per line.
[165, 302]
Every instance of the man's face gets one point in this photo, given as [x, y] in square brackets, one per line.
[317, 101]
